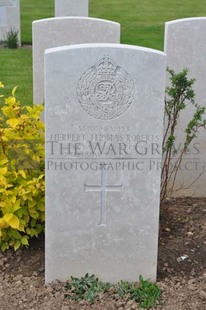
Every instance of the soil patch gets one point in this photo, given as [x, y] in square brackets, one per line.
[181, 268]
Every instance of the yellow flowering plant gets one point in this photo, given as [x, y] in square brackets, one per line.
[1, 86]
[22, 185]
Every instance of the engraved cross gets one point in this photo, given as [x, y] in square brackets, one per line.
[103, 188]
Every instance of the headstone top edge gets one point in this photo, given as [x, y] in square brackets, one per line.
[182, 20]
[106, 45]
[74, 18]
[8, 2]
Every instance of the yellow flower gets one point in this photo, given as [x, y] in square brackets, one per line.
[1, 86]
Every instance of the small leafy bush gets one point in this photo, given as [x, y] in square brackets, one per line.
[11, 39]
[179, 95]
[146, 293]
[124, 288]
[22, 184]
[86, 288]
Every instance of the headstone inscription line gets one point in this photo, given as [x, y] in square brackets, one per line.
[49, 33]
[185, 47]
[104, 107]
[103, 188]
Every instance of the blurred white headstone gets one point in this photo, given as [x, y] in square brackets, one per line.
[71, 8]
[9, 18]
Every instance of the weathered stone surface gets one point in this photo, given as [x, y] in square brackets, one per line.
[71, 8]
[104, 112]
[185, 46]
[54, 32]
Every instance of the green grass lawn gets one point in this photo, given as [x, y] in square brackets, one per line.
[33, 10]
[16, 69]
[142, 23]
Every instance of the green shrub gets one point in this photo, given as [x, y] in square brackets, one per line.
[86, 288]
[179, 95]
[10, 39]
[146, 293]
[22, 185]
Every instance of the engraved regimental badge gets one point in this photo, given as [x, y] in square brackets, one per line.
[105, 91]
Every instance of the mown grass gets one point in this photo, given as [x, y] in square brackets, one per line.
[33, 10]
[142, 23]
[16, 69]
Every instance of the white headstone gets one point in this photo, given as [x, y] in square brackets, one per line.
[3, 17]
[185, 46]
[9, 18]
[104, 123]
[54, 32]
[71, 8]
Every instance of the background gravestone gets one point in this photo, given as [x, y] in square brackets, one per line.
[185, 47]
[104, 112]
[53, 32]
[71, 8]
[9, 18]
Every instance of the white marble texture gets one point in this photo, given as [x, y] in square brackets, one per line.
[71, 8]
[185, 47]
[54, 32]
[104, 109]
[10, 18]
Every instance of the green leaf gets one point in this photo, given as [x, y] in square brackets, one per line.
[16, 234]
[12, 220]
[24, 241]
[4, 246]
[17, 245]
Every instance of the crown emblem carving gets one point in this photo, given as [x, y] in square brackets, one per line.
[105, 91]
[106, 66]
